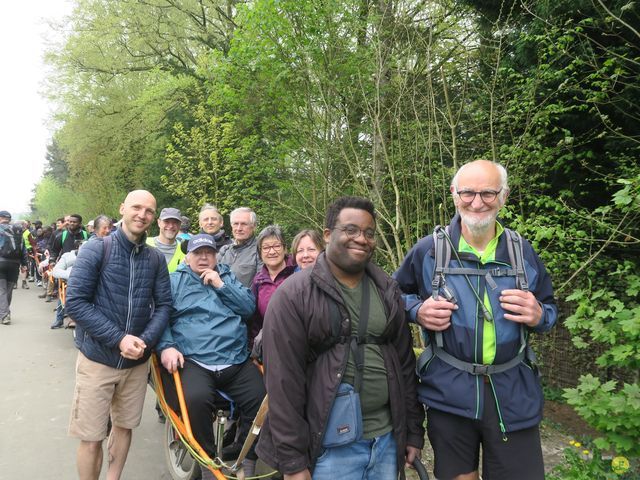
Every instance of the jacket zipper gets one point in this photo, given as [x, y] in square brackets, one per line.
[129, 299]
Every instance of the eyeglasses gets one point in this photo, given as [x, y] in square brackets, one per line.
[306, 250]
[487, 196]
[354, 232]
[275, 247]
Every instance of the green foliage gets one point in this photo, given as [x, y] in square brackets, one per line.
[585, 462]
[552, 393]
[52, 200]
[607, 313]
[56, 167]
[614, 412]
[214, 162]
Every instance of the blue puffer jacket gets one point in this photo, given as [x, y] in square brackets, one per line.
[518, 393]
[208, 324]
[131, 296]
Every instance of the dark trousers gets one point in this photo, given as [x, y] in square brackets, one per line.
[242, 383]
[8, 278]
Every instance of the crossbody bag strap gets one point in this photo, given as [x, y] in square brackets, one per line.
[358, 343]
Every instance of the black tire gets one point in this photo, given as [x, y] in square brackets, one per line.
[420, 469]
[180, 463]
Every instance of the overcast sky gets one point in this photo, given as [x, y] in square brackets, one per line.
[23, 111]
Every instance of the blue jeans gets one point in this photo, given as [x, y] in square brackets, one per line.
[59, 315]
[373, 459]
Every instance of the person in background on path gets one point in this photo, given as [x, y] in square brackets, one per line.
[66, 238]
[30, 246]
[166, 243]
[90, 228]
[306, 246]
[42, 237]
[242, 255]
[479, 382]
[120, 298]
[312, 350]
[102, 226]
[211, 222]
[185, 226]
[61, 224]
[61, 271]
[13, 259]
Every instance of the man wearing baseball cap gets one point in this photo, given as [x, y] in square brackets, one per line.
[13, 257]
[207, 339]
[166, 243]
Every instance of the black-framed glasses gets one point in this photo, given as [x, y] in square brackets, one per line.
[277, 247]
[487, 196]
[354, 232]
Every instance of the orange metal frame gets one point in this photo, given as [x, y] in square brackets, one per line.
[181, 422]
[62, 291]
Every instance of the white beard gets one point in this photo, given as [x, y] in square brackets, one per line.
[478, 226]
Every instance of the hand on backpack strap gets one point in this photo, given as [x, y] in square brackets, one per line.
[523, 307]
[435, 314]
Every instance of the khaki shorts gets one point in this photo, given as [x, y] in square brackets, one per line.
[101, 390]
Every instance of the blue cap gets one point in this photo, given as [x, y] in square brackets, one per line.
[5, 214]
[201, 240]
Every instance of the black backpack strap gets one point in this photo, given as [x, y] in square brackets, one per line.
[107, 242]
[516, 258]
[335, 337]
[442, 252]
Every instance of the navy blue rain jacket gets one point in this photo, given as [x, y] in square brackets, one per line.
[518, 393]
[132, 295]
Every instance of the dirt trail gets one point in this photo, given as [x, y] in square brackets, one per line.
[37, 379]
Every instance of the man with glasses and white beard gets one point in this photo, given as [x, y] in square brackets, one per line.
[478, 290]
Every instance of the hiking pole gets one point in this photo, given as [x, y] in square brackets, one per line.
[251, 437]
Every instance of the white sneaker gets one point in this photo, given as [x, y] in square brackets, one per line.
[7, 319]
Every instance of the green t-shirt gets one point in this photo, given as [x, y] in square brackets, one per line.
[489, 327]
[374, 392]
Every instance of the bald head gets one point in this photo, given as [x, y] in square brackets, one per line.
[138, 211]
[136, 196]
[479, 191]
[482, 168]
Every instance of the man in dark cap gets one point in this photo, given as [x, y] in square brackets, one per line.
[207, 339]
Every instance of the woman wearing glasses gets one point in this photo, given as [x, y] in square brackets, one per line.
[278, 265]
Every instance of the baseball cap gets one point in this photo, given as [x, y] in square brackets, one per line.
[201, 240]
[168, 213]
[5, 214]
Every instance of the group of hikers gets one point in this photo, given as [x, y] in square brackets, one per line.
[347, 396]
